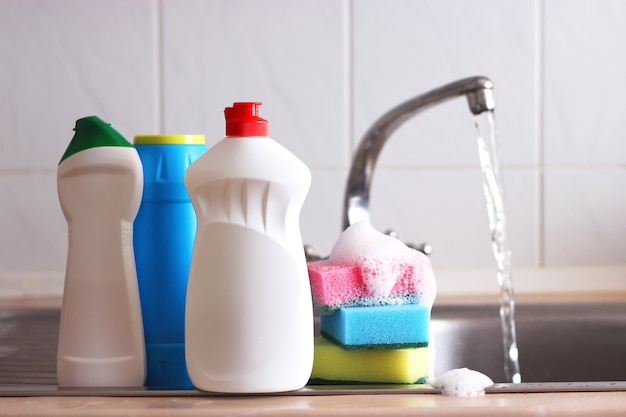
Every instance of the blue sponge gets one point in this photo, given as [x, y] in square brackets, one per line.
[378, 327]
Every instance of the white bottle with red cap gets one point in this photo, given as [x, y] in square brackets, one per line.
[249, 321]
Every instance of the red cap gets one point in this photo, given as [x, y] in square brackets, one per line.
[243, 120]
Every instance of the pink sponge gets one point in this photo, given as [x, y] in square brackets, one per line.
[333, 285]
[340, 285]
[368, 268]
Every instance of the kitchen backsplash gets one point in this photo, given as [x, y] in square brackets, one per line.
[325, 70]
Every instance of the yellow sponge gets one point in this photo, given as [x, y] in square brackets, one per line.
[332, 363]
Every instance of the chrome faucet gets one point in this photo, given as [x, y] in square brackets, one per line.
[479, 93]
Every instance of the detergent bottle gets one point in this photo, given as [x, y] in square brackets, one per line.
[249, 320]
[99, 184]
[164, 230]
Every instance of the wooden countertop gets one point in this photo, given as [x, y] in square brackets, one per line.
[537, 404]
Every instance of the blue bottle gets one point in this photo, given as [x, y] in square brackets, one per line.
[164, 232]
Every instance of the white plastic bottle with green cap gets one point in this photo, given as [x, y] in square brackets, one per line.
[248, 319]
[100, 182]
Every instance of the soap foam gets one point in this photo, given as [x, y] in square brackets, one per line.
[384, 260]
[462, 382]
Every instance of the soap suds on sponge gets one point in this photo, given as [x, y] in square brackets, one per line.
[462, 382]
[385, 263]
[376, 296]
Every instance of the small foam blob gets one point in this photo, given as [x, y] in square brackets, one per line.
[462, 382]
[384, 260]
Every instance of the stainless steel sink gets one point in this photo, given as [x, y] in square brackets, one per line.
[558, 342]
[28, 346]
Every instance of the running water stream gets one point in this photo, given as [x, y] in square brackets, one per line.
[488, 151]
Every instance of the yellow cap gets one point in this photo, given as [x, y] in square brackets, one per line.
[169, 140]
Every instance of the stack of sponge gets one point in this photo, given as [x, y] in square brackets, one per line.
[375, 296]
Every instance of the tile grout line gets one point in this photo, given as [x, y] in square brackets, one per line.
[539, 133]
[349, 79]
[158, 67]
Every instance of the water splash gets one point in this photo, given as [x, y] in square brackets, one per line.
[488, 152]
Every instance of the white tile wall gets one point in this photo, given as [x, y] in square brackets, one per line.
[325, 70]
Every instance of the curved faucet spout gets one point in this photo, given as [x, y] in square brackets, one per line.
[479, 93]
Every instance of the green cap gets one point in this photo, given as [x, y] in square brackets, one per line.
[92, 132]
